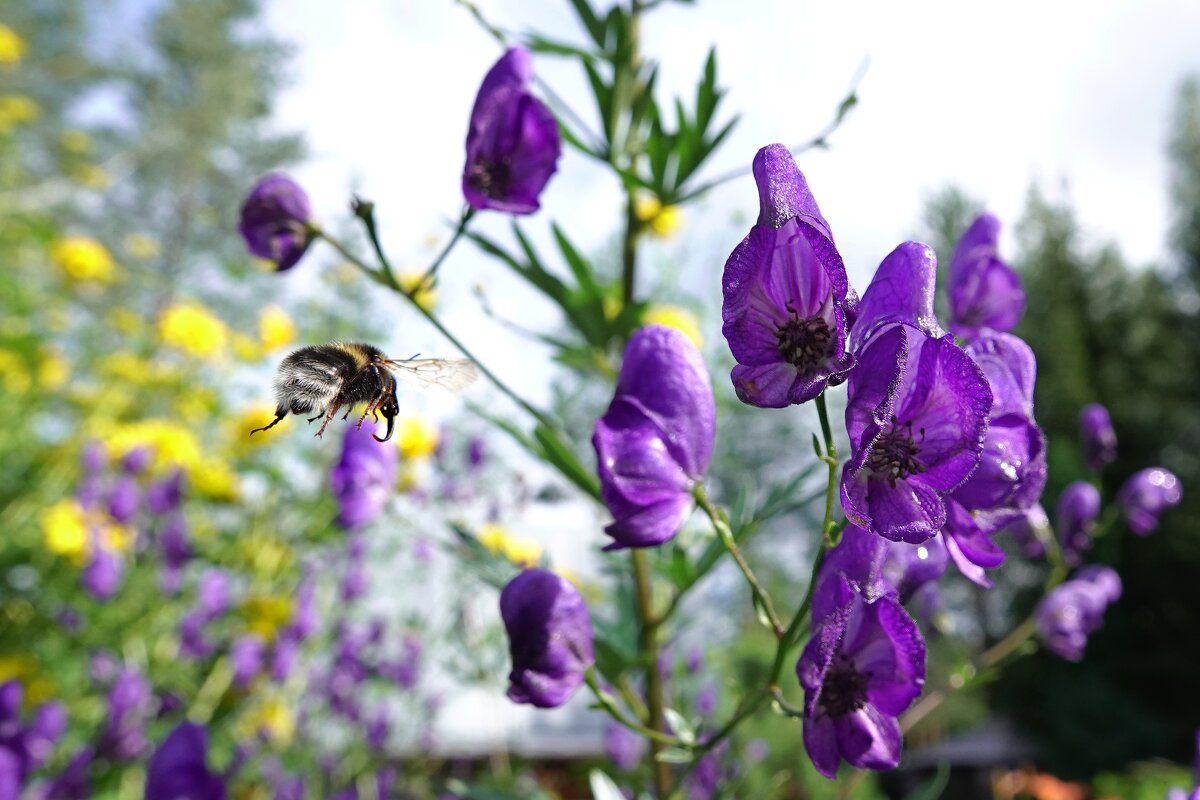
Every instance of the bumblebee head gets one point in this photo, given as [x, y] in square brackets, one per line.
[389, 410]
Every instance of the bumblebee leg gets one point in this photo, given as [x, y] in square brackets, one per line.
[370, 409]
[347, 414]
[278, 419]
[328, 416]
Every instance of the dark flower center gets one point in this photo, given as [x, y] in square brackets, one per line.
[844, 689]
[805, 343]
[490, 178]
[894, 454]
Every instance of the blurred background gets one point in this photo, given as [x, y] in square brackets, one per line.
[150, 549]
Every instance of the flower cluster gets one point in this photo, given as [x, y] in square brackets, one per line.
[1074, 610]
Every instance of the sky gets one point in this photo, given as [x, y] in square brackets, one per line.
[1074, 98]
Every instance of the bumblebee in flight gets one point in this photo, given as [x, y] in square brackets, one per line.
[321, 379]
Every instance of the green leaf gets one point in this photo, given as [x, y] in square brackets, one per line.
[603, 93]
[846, 106]
[674, 755]
[591, 23]
[679, 724]
[558, 454]
[603, 787]
[611, 659]
[540, 44]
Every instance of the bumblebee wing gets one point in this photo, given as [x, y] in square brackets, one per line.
[452, 374]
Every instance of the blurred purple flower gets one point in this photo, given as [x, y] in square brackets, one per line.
[1024, 530]
[757, 751]
[1074, 610]
[213, 594]
[694, 659]
[910, 567]
[275, 219]
[178, 770]
[655, 440]
[247, 654]
[73, 782]
[130, 705]
[1097, 439]
[786, 298]
[1146, 495]
[192, 642]
[985, 292]
[549, 636]
[704, 780]
[104, 573]
[862, 668]
[137, 460]
[706, 700]
[123, 500]
[283, 657]
[165, 495]
[623, 747]
[173, 540]
[26, 746]
[94, 458]
[405, 671]
[379, 728]
[476, 452]
[364, 477]
[1075, 519]
[11, 780]
[513, 142]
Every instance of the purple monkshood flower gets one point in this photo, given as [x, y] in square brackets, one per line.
[863, 666]
[275, 220]
[549, 637]
[513, 142]
[985, 292]
[1024, 530]
[283, 657]
[247, 654]
[1097, 439]
[123, 500]
[164, 496]
[130, 701]
[1075, 519]
[73, 782]
[787, 300]
[179, 769]
[26, 746]
[94, 458]
[1074, 610]
[623, 747]
[212, 596]
[908, 568]
[655, 441]
[379, 728]
[104, 573]
[173, 540]
[1147, 494]
[876, 567]
[137, 460]
[364, 477]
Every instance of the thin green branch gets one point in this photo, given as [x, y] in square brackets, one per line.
[609, 704]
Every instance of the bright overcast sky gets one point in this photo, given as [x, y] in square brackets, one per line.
[990, 97]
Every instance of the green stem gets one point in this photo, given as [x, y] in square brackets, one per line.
[429, 274]
[831, 459]
[648, 646]
[727, 538]
[609, 703]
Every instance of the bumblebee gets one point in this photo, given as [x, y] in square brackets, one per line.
[322, 379]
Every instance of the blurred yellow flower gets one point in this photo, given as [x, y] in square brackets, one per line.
[91, 175]
[75, 141]
[413, 474]
[272, 717]
[14, 374]
[266, 614]
[215, 479]
[19, 667]
[661, 220]
[196, 405]
[275, 328]
[82, 258]
[193, 329]
[114, 536]
[258, 415]
[16, 109]
[53, 370]
[134, 369]
[245, 348]
[612, 307]
[416, 436]
[675, 317]
[141, 246]
[427, 297]
[174, 446]
[498, 541]
[12, 46]
[64, 531]
[266, 554]
[125, 321]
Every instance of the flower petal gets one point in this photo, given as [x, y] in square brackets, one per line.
[901, 291]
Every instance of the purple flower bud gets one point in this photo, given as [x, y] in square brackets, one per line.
[513, 142]
[129, 709]
[623, 747]
[1074, 610]
[1025, 528]
[694, 660]
[192, 642]
[785, 293]
[179, 768]
[354, 582]
[364, 477]
[476, 452]
[49, 723]
[11, 779]
[212, 597]
[985, 292]
[655, 441]
[123, 500]
[73, 782]
[94, 458]
[164, 496]
[862, 668]
[1075, 519]
[1097, 438]
[246, 654]
[378, 730]
[173, 539]
[283, 658]
[1147, 494]
[136, 460]
[275, 219]
[304, 619]
[103, 575]
[549, 635]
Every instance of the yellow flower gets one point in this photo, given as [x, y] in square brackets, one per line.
[196, 405]
[75, 141]
[427, 297]
[266, 614]
[53, 370]
[141, 246]
[114, 536]
[272, 717]
[125, 321]
[416, 436]
[498, 541]
[675, 317]
[266, 554]
[245, 348]
[275, 328]
[12, 46]
[16, 109]
[19, 667]
[493, 537]
[92, 176]
[193, 329]
[174, 446]
[14, 374]
[82, 258]
[413, 474]
[64, 531]
[662, 221]
[259, 415]
[215, 479]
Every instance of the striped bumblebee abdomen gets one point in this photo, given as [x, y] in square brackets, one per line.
[310, 378]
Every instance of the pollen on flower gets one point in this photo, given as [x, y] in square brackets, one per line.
[893, 456]
[845, 688]
[275, 328]
[64, 531]
[82, 258]
[675, 317]
[193, 329]
[12, 46]
[805, 343]
[416, 436]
